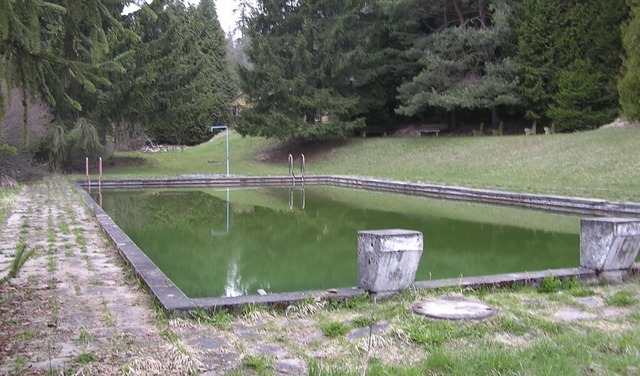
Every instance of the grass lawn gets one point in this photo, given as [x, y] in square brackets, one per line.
[603, 163]
[562, 331]
[8, 198]
[563, 328]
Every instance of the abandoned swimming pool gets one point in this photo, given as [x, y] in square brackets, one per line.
[226, 262]
[220, 242]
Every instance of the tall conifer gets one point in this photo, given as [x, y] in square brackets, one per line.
[629, 84]
[465, 67]
[308, 60]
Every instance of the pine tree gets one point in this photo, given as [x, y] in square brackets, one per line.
[465, 67]
[629, 84]
[308, 61]
[178, 83]
[214, 75]
[580, 99]
[551, 36]
[537, 28]
[56, 50]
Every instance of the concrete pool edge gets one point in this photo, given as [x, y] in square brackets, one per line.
[556, 203]
[174, 301]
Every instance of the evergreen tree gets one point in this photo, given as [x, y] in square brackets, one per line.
[629, 84]
[56, 49]
[465, 67]
[553, 35]
[178, 83]
[309, 60]
[592, 34]
[580, 99]
[538, 26]
[214, 75]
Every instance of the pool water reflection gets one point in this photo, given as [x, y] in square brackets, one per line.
[215, 242]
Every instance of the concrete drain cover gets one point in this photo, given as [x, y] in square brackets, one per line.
[454, 308]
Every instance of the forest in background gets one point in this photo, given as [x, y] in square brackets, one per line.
[80, 77]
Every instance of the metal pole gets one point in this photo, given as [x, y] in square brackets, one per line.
[213, 127]
[86, 172]
[228, 205]
[99, 173]
[227, 151]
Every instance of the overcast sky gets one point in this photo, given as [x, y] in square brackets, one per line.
[224, 9]
[225, 14]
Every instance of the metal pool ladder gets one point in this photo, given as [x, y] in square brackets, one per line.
[292, 168]
[291, 172]
[293, 176]
[303, 198]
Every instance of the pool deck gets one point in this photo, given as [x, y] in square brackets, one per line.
[75, 301]
[174, 301]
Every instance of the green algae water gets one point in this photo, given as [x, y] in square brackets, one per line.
[218, 242]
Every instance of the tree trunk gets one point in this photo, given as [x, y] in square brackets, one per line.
[482, 13]
[456, 4]
[25, 119]
[495, 119]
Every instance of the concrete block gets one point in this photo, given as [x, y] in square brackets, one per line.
[388, 259]
[609, 244]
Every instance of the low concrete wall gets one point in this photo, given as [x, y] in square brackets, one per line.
[564, 204]
[527, 200]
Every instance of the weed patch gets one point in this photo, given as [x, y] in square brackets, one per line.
[259, 364]
[221, 319]
[364, 321]
[85, 358]
[334, 329]
[621, 299]
[20, 258]
[84, 337]
[551, 284]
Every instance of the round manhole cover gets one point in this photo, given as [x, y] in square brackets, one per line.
[454, 309]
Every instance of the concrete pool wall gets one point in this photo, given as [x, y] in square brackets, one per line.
[173, 300]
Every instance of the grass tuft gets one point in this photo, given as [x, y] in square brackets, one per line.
[334, 329]
[221, 319]
[20, 258]
[621, 299]
[260, 364]
[85, 358]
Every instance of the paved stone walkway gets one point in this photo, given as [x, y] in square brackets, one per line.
[75, 307]
[72, 305]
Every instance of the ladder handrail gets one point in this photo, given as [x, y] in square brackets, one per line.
[302, 166]
[291, 171]
[290, 198]
[303, 198]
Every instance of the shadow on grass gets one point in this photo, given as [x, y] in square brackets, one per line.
[127, 161]
[313, 151]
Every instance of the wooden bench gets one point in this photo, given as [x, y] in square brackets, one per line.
[427, 129]
[373, 130]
